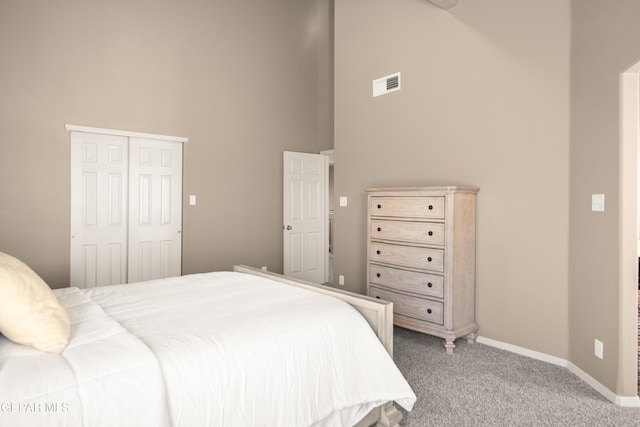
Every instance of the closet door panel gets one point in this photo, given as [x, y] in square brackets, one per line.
[99, 168]
[155, 195]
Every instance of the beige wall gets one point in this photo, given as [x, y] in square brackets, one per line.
[239, 79]
[503, 95]
[605, 42]
[325, 64]
[484, 102]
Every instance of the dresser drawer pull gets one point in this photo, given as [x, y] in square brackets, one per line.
[379, 228]
[378, 252]
[429, 259]
[429, 310]
[379, 206]
[378, 274]
[429, 285]
[430, 207]
[430, 233]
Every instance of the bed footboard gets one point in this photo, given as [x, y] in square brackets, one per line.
[386, 415]
[379, 315]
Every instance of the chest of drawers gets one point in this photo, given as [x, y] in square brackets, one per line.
[421, 256]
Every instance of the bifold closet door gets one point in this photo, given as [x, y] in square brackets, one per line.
[99, 225]
[155, 209]
[126, 209]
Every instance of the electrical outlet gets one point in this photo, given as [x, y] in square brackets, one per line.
[264, 268]
[341, 280]
[598, 349]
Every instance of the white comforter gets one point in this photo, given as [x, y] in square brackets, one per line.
[215, 349]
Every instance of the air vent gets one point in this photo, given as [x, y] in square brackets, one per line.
[386, 84]
[393, 82]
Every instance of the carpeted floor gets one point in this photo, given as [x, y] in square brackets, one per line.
[481, 385]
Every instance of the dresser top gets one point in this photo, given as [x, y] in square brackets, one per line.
[448, 189]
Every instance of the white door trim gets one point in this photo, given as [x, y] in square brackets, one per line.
[628, 230]
[124, 133]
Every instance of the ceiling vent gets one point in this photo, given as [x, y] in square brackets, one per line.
[387, 84]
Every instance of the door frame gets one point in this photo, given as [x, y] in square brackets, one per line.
[628, 237]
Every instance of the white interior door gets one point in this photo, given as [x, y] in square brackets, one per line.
[155, 209]
[126, 208]
[99, 165]
[305, 234]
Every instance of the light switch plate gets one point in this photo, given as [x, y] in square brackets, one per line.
[597, 202]
[343, 201]
[192, 200]
[598, 349]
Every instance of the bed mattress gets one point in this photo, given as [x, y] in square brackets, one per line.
[216, 349]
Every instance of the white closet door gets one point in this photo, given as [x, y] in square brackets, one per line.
[155, 209]
[99, 165]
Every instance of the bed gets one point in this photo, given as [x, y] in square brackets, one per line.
[237, 348]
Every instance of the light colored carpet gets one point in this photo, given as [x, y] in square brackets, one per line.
[480, 385]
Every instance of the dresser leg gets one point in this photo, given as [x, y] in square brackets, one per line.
[449, 345]
[471, 338]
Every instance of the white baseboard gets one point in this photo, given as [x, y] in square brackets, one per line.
[630, 401]
[524, 351]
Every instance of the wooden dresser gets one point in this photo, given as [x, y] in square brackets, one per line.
[421, 255]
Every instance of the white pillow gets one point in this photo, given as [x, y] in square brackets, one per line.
[30, 313]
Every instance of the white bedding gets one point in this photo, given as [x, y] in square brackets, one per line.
[218, 349]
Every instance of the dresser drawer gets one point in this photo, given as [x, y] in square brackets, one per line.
[409, 281]
[418, 308]
[407, 256]
[407, 207]
[405, 231]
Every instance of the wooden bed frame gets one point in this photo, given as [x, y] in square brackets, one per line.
[379, 315]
